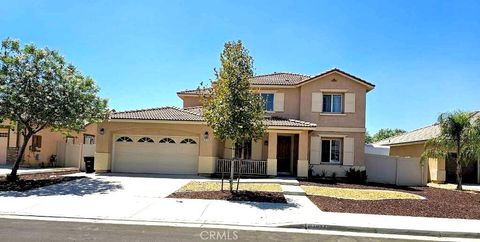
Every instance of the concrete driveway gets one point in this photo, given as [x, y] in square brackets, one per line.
[130, 197]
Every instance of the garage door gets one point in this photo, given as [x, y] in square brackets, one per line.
[155, 154]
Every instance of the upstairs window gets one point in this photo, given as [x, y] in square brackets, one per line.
[332, 103]
[267, 101]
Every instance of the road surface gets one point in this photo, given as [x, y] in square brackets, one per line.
[38, 230]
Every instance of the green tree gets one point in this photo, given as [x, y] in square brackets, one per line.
[235, 112]
[368, 138]
[39, 90]
[386, 133]
[458, 134]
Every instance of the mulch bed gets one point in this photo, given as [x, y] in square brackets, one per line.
[271, 197]
[32, 181]
[438, 203]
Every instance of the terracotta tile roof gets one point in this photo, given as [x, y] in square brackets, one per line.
[286, 79]
[282, 122]
[279, 78]
[195, 114]
[198, 110]
[162, 113]
[418, 135]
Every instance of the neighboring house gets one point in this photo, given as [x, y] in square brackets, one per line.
[41, 146]
[312, 121]
[411, 144]
[377, 149]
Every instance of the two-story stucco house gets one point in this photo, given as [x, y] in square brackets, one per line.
[312, 121]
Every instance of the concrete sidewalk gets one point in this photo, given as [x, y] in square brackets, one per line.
[138, 199]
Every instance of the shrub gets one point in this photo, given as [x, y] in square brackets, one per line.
[356, 176]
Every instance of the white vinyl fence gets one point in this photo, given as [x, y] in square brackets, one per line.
[395, 170]
[71, 155]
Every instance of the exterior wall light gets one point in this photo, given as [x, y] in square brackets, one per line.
[205, 135]
[102, 131]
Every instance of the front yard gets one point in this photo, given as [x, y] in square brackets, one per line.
[393, 200]
[254, 192]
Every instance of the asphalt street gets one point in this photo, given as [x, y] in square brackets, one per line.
[37, 230]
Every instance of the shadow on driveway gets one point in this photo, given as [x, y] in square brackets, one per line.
[78, 187]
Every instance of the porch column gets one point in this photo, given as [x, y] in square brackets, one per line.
[302, 164]
[272, 154]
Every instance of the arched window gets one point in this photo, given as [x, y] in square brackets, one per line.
[124, 139]
[145, 140]
[188, 141]
[167, 141]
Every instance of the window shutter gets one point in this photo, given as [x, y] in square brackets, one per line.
[317, 102]
[315, 150]
[348, 151]
[278, 101]
[349, 102]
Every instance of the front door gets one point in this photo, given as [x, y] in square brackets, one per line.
[284, 154]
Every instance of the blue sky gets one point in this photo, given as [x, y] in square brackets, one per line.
[423, 56]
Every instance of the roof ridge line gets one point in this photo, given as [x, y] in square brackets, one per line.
[283, 72]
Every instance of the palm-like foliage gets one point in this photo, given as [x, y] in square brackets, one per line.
[459, 134]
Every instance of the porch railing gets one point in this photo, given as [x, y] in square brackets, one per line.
[247, 167]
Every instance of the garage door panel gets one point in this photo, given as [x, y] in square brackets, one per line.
[164, 158]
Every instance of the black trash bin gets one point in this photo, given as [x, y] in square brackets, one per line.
[89, 164]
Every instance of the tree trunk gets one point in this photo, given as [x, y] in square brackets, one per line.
[459, 168]
[21, 152]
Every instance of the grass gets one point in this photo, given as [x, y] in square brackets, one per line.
[195, 186]
[357, 194]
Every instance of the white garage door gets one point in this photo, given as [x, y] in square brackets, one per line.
[155, 154]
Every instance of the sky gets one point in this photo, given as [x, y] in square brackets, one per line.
[423, 56]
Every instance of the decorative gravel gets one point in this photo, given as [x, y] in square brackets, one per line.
[357, 194]
[440, 203]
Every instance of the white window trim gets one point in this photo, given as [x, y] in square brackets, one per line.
[332, 162]
[342, 108]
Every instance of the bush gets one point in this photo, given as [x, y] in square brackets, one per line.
[356, 176]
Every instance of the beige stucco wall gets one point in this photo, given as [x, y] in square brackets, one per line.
[413, 150]
[207, 148]
[191, 101]
[356, 119]
[49, 143]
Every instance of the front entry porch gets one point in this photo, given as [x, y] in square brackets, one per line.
[287, 153]
[280, 153]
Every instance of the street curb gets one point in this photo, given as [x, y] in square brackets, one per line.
[432, 233]
[305, 227]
